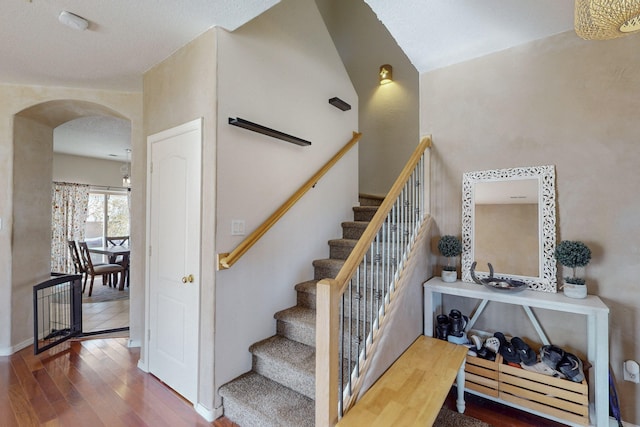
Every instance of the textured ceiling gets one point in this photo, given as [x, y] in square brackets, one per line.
[124, 38]
[127, 37]
[437, 33]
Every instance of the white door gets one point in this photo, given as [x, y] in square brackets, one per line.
[174, 256]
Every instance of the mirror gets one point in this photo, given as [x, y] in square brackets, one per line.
[509, 220]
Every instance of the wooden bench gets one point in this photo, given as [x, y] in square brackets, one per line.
[411, 392]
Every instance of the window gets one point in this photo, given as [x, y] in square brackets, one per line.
[108, 215]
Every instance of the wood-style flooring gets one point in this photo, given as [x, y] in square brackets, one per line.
[97, 383]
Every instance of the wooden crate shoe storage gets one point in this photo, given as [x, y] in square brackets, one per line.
[482, 375]
[557, 397]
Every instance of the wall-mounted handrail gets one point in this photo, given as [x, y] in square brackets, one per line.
[226, 260]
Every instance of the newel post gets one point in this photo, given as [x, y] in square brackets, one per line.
[327, 336]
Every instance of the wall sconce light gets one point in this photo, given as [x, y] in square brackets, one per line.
[386, 74]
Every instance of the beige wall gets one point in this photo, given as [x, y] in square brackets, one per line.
[388, 114]
[86, 170]
[17, 332]
[32, 162]
[278, 70]
[180, 89]
[573, 104]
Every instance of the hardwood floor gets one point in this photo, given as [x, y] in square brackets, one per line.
[97, 383]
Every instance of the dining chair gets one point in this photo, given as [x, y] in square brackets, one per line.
[77, 262]
[117, 240]
[97, 270]
[120, 241]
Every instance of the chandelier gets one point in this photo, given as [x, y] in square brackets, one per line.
[606, 19]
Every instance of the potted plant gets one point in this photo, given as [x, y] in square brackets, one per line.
[573, 254]
[449, 247]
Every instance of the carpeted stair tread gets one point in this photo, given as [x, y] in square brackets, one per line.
[364, 213]
[326, 268]
[288, 362]
[353, 229]
[370, 200]
[308, 286]
[298, 324]
[253, 400]
[306, 294]
[297, 314]
[341, 248]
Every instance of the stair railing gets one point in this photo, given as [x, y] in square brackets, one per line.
[350, 309]
[226, 260]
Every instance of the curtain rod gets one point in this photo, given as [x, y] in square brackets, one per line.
[109, 188]
[96, 187]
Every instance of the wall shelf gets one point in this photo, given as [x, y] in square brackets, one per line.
[246, 124]
[340, 104]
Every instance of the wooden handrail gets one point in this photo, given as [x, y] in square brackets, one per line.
[363, 245]
[226, 260]
[329, 292]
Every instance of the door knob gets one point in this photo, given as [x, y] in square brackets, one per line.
[184, 279]
[190, 278]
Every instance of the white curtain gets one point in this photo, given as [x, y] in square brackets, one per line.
[68, 217]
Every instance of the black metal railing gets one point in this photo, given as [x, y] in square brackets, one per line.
[57, 310]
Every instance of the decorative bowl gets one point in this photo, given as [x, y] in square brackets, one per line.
[508, 285]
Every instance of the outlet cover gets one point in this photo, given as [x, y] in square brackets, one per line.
[237, 227]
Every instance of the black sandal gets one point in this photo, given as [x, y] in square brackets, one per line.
[507, 350]
[527, 355]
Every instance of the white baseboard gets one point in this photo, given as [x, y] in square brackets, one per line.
[8, 351]
[134, 343]
[142, 365]
[206, 413]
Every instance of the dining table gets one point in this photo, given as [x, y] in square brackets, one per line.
[112, 253]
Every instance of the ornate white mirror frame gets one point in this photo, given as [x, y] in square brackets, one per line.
[545, 175]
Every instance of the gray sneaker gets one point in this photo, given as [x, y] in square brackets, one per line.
[571, 367]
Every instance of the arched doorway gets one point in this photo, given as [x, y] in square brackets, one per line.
[32, 180]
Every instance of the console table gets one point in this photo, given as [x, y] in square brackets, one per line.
[592, 307]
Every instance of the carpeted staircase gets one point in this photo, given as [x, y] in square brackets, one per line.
[280, 388]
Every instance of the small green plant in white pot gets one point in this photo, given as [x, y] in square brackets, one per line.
[449, 247]
[573, 254]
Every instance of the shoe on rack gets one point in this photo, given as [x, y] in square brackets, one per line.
[457, 323]
[442, 326]
[542, 368]
[527, 355]
[477, 341]
[493, 344]
[507, 350]
[551, 355]
[571, 367]
[485, 353]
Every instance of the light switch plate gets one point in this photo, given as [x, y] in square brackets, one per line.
[237, 227]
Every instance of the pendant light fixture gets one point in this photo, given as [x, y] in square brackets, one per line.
[126, 171]
[606, 19]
